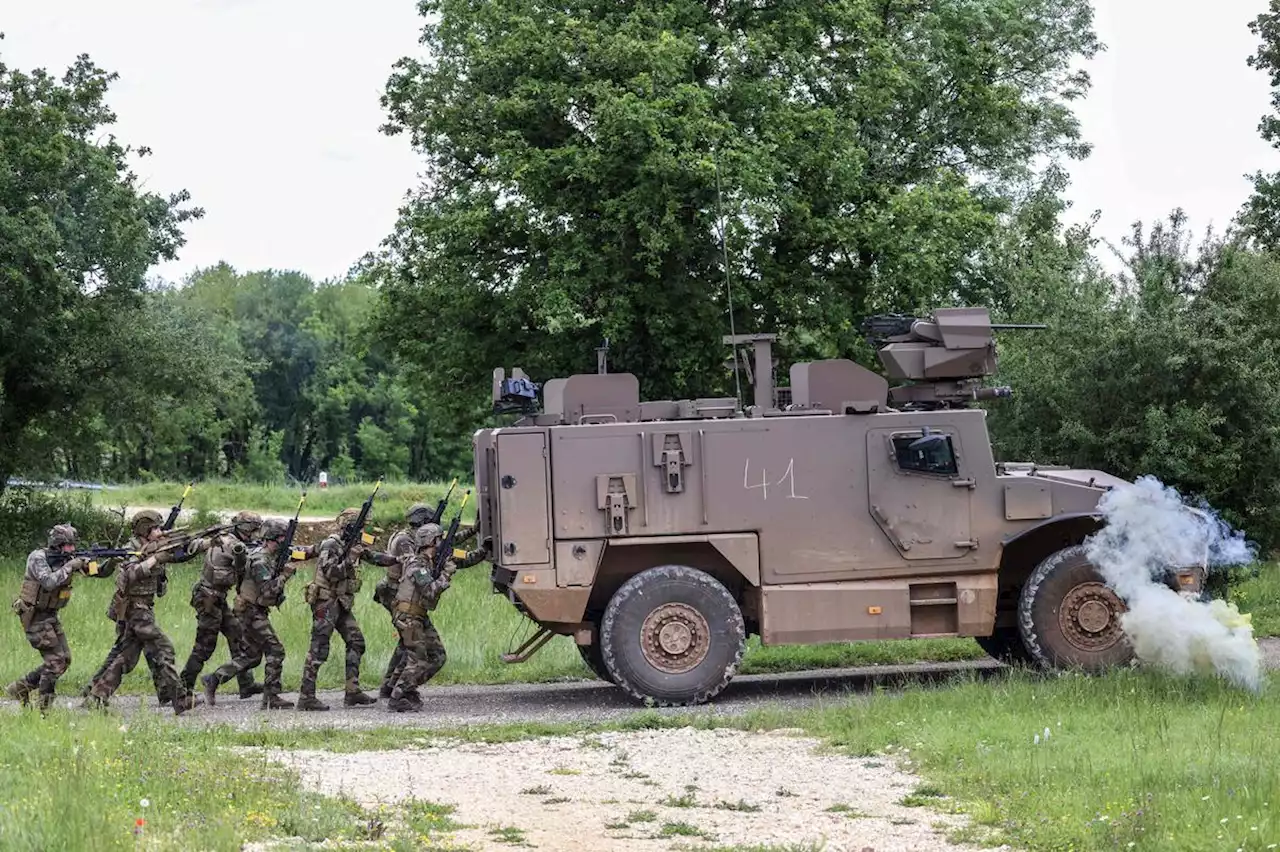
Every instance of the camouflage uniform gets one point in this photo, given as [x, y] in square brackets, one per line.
[331, 596]
[136, 585]
[260, 589]
[141, 522]
[46, 588]
[417, 594]
[224, 566]
[401, 547]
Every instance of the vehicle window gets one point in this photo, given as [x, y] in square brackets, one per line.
[935, 455]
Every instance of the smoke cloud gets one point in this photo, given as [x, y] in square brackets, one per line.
[1148, 530]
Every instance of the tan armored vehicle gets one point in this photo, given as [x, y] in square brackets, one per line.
[659, 535]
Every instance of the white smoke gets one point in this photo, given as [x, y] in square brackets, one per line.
[1148, 530]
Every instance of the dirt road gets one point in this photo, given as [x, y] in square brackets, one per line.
[576, 701]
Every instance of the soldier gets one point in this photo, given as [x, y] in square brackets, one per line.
[136, 585]
[331, 596]
[224, 566]
[401, 547]
[142, 521]
[46, 588]
[419, 593]
[260, 589]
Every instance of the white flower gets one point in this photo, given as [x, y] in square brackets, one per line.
[146, 803]
[1046, 734]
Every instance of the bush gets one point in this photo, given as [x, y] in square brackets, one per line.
[27, 514]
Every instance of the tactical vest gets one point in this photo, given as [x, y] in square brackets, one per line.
[411, 596]
[220, 571]
[142, 587]
[400, 546]
[322, 588]
[34, 595]
[259, 570]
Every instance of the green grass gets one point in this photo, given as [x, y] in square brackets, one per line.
[389, 506]
[82, 781]
[1260, 596]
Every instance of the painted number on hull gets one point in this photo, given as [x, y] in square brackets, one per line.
[788, 477]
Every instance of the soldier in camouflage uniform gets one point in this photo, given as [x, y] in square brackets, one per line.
[137, 582]
[417, 594]
[141, 523]
[331, 596]
[224, 566]
[401, 547]
[261, 588]
[46, 588]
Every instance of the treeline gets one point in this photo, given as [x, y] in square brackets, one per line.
[653, 175]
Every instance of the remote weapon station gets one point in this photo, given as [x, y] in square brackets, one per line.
[659, 535]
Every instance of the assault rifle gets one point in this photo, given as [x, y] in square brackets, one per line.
[178, 539]
[444, 550]
[444, 501]
[355, 530]
[173, 512]
[93, 554]
[285, 553]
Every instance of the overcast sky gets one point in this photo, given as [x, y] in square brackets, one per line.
[267, 111]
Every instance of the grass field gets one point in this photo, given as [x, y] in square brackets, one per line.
[389, 506]
[1134, 760]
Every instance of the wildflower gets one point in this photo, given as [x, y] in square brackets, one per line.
[146, 803]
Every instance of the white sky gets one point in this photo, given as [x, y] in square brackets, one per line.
[267, 111]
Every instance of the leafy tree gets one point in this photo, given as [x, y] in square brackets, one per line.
[583, 158]
[77, 235]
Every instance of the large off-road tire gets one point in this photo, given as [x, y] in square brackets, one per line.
[592, 656]
[1006, 645]
[1069, 617]
[673, 636]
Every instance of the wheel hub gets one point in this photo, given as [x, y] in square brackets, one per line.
[675, 638]
[1090, 617]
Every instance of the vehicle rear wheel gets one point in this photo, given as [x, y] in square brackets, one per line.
[594, 659]
[1069, 618]
[672, 635]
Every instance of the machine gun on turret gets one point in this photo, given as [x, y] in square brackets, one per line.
[944, 359]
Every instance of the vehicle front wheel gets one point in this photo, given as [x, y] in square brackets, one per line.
[672, 635]
[1069, 617]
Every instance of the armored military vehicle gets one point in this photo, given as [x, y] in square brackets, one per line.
[661, 534]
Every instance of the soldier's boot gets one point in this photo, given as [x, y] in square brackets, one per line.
[184, 702]
[354, 697]
[384, 691]
[19, 690]
[251, 689]
[93, 701]
[275, 702]
[211, 684]
[164, 696]
[88, 687]
[402, 704]
[46, 701]
[310, 702]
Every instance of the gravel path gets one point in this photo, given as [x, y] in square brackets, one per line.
[453, 706]
[647, 790]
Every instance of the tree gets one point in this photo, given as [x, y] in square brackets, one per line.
[77, 236]
[583, 158]
[1259, 217]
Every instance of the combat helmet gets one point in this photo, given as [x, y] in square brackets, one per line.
[419, 514]
[62, 534]
[273, 529]
[426, 535]
[144, 520]
[246, 523]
